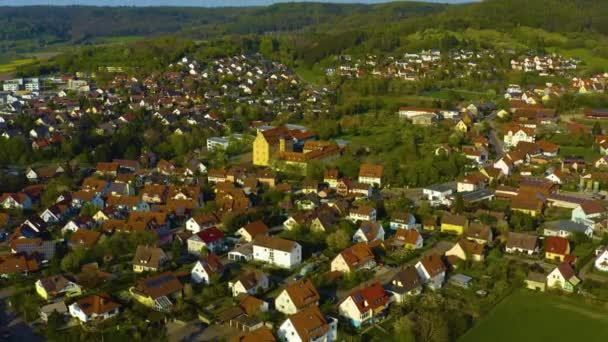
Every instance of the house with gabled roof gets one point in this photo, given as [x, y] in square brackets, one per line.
[249, 231]
[371, 174]
[557, 248]
[85, 238]
[404, 284]
[308, 325]
[406, 238]
[277, 251]
[366, 305]
[521, 243]
[202, 221]
[456, 224]
[431, 270]
[94, 308]
[158, 292]
[356, 257]
[149, 259]
[402, 220]
[206, 268]
[589, 213]
[250, 282]
[296, 297]
[212, 239]
[57, 286]
[369, 232]
[563, 277]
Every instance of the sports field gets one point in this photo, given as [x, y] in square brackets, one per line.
[529, 316]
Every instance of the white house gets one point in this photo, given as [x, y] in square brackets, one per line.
[210, 238]
[249, 283]
[296, 297]
[362, 213]
[97, 307]
[366, 305]
[514, 134]
[205, 269]
[601, 263]
[403, 220]
[438, 194]
[589, 213]
[431, 270]
[369, 231]
[198, 223]
[276, 251]
[565, 228]
[15, 201]
[308, 325]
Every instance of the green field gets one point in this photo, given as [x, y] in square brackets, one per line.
[12, 65]
[588, 153]
[529, 316]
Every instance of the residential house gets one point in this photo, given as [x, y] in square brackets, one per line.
[521, 243]
[207, 268]
[557, 248]
[368, 232]
[296, 297]
[406, 238]
[308, 325]
[566, 228]
[589, 213]
[536, 281]
[149, 259]
[528, 203]
[331, 177]
[455, 224]
[277, 251]
[85, 238]
[94, 308]
[366, 305]
[362, 213]
[402, 220]
[158, 291]
[15, 201]
[251, 282]
[405, 284]
[371, 174]
[601, 261]
[57, 286]
[466, 250]
[249, 231]
[211, 239]
[479, 233]
[513, 134]
[563, 277]
[432, 271]
[356, 257]
[438, 194]
[15, 264]
[201, 222]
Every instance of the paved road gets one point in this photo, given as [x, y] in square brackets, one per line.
[493, 137]
[385, 275]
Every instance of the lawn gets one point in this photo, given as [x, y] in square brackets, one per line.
[589, 154]
[592, 61]
[14, 64]
[529, 316]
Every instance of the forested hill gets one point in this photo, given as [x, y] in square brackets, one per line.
[80, 24]
[550, 15]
